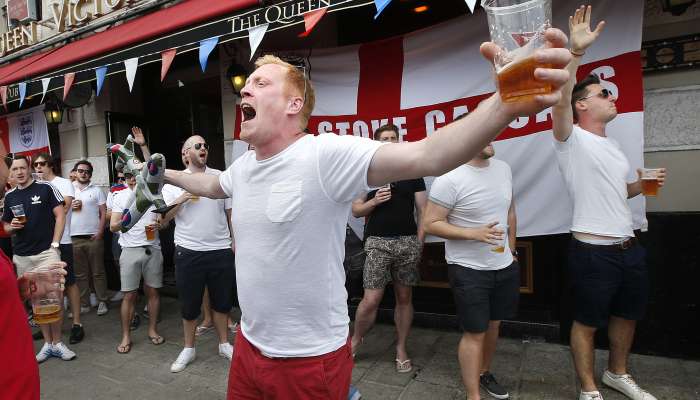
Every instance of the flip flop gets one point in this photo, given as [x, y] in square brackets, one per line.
[403, 367]
[156, 340]
[124, 349]
[201, 330]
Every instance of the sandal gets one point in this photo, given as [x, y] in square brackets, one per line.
[202, 329]
[403, 366]
[156, 340]
[124, 349]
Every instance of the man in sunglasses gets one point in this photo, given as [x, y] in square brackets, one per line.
[606, 264]
[44, 167]
[87, 230]
[203, 254]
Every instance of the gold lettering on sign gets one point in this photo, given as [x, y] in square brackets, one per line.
[80, 12]
[17, 38]
[68, 14]
[59, 13]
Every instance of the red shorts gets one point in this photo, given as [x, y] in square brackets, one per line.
[255, 377]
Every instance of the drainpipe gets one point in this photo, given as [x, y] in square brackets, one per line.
[82, 132]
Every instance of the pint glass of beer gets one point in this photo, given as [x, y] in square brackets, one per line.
[650, 181]
[150, 232]
[45, 288]
[517, 27]
[501, 246]
[18, 212]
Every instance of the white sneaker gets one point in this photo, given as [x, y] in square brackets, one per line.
[63, 352]
[93, 300]
[626, 385]
[119, 296]
[45, 353]
[102, 308]
[226, 350]
[187, 355]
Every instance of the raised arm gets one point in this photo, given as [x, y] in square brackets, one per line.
[141, 141]
[197, 184]
[581, 38]
[458, 142]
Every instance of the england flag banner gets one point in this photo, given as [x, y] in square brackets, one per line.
[25, 132]
[423, 80]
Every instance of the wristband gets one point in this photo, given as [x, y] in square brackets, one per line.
[581, 54]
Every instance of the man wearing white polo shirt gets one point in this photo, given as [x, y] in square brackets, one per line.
[87, 228]
[203, 254]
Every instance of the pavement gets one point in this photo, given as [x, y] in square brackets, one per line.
[530, 370]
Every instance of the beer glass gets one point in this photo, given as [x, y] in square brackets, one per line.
[517, 27]
[45, 289]
[650, 181]
[77, 205]
[18, 212]
[150, 232]
[501, 246]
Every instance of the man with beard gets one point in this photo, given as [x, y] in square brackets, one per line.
[472, 207]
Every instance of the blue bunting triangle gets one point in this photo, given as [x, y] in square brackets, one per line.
[205, 48]
[381, 5]
[100, 73]
[22, 92]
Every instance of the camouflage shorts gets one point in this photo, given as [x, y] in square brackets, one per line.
[391, 259]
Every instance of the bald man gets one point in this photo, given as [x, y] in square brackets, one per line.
[203, 253]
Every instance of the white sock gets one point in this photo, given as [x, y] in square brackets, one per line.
[188, 349]
[593, 392]
[615, 376]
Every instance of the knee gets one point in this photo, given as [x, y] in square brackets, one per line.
[371, 302]
[404, 298]
[130, 297]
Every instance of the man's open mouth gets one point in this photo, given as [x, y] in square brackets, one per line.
[248, 112]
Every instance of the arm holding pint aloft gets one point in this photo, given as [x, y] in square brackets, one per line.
[581, 38]
[458, 142]
[198, 184]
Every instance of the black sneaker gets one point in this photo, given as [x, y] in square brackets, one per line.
[488, 383]
[135, 322]
[77, 333]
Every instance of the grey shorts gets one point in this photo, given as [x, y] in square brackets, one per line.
[136, 262]
[28, 263]
[391, 259]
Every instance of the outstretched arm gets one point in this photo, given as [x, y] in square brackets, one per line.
[197, 184]
[461, 140]
[581, 38]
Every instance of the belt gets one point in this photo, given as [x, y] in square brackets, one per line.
[82, 236]
[622, 246]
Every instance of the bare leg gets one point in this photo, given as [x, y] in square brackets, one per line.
[365, 315]
[46, 331]
[55, 335]
[621, 335]
[469, 353]
[220, 323]
[403, 317]
[189, 329]
[127, 314]
[74, 300]
[206, 309]
[490, 340]
[584, 354]
[153, 309]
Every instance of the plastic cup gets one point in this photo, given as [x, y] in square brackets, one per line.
[77, 205]
[650, 181]
[501, 246]
[18, 212]
[517, 27]
[46, 293]
[150, 232]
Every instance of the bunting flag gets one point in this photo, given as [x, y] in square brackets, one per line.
[471, 4]
[131, 65]
[381, 5]
[166, 60]
[100, 73]
[311, 19]
[22, 93]
[67, 83]
[44, 87]
[255, 36]
[3, 96]
[205, 48]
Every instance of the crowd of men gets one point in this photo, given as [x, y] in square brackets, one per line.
[282, 208]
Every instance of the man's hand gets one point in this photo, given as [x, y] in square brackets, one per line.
[488, 234]
[660, 176]
[44, 285]
[97, 236]
[382, 196]
[16, 225]
[184, 197]
[138, 136]
[580, 30]
[553, 54]
[76, 204]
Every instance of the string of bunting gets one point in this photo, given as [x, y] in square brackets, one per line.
[255, 36]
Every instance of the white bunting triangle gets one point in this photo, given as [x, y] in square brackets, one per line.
[255, 36]
[131, 65]
[471, 4]
[44, 87]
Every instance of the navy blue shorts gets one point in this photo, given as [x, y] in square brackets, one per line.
[67, 257]
[608, 281]
[195, 270]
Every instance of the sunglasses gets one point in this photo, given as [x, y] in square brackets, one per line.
[198, 146]
[604, 93]
[83, 171]
[128, 176]
[120, 178]
[40, 163]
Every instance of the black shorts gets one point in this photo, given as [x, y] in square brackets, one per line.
[195, 270]
[483, 296]
[608, 281]
[67, 257]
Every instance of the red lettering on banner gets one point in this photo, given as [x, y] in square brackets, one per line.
[379, 98]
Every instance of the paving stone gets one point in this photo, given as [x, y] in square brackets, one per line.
[442, 370]
[374, 390]
[421, 390]
[385, 372]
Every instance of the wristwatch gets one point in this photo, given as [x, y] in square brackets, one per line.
[54, 245]
[514, 253]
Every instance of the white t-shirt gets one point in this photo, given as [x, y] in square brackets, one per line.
[289, 214]
[65, 186]
[87, 220]
[596, 173]
[200, 225]
[136, 236]
[476, 197]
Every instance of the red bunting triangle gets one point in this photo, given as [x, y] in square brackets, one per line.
[67, 83]
[3, 96]
[167, 58]
[311, 18]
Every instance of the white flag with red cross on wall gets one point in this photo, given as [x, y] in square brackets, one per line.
[423, 80]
